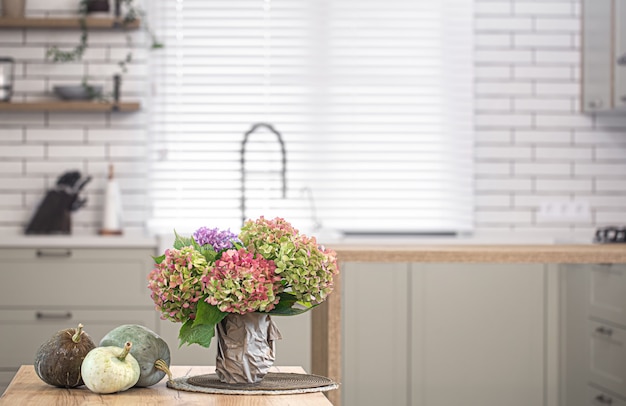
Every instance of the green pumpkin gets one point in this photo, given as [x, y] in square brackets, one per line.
[151, 351]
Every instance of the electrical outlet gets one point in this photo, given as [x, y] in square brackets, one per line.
[576, 211]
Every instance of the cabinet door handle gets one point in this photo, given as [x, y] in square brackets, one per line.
[605, 331]
[54, 254]
[605, 400]
[621, 61]
[53, 316]
[595, 104]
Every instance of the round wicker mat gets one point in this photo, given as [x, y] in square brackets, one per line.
[274, 383]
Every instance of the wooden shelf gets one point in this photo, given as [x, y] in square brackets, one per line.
[69, 106]
[67, 22]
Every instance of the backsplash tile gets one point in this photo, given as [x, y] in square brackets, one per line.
[532, 144]
[35, 148]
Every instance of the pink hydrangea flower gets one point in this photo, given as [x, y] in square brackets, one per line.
[240, 283]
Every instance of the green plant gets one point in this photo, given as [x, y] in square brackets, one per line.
[58, 55]
[132, 13]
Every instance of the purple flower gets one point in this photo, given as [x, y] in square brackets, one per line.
[219, 239]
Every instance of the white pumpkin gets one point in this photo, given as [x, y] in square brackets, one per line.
[110, 369]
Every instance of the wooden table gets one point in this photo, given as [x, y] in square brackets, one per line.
[27, 389]
[326, 318]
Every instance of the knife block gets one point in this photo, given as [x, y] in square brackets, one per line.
[53, 214]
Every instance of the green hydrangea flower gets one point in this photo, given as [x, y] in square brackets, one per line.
[306, 269]
[176, 285]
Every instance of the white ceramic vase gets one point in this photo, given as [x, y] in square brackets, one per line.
[13, 8]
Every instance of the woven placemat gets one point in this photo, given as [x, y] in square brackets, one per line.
[274, 383]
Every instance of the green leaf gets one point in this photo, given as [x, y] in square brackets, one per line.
[202, 329]
[290, 306]
[207, 314]
[181, 242]
[159, 259]
[210, 255]
[237, 245]
[286, 300]
[206, 250]
[202, 334]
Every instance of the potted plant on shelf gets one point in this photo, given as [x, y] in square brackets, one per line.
[85, 90]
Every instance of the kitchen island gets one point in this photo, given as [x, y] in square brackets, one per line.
[326, 319]
[27, 389]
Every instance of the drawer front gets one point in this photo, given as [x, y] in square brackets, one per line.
[607, 356]
[597, 397]
[23, 332]
[76, 278]
[607, 293]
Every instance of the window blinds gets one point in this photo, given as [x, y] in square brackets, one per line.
[373, 99]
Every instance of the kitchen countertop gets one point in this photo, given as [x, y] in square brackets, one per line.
[381, 249]
[78, 241]
[482, 253]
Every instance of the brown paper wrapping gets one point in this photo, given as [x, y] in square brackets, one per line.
[245, 347]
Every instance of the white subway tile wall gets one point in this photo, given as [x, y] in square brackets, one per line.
[35, 148]
[533, 146]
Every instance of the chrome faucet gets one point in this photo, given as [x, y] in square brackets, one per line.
[243, 170]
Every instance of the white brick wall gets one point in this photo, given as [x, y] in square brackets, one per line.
[532, 144]
[35, 148]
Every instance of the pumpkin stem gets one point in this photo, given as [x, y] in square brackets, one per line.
[125, 351]
[162, 366]
[77, 335]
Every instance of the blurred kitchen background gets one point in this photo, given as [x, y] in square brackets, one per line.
[517, 144]
[398, 119]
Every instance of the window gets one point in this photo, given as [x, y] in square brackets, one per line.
[373, 99]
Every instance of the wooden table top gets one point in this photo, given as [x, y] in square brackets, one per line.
[27, 389]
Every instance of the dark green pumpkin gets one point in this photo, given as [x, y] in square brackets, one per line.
[58, 360]
[151, 351]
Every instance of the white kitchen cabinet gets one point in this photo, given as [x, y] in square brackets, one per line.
[375, 327]
[603, 55]
[607, 356]
[594, 339]
[599, 397]
[447, 334]
[480, 333]
[607, 293]
[49, 289]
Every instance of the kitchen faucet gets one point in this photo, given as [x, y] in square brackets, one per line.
[243, 170]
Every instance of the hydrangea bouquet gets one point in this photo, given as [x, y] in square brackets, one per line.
[269, 267]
